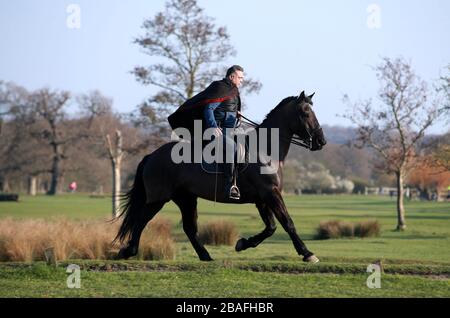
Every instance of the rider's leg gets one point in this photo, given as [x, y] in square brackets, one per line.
[229, 165]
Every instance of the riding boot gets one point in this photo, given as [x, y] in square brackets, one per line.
[230, 188]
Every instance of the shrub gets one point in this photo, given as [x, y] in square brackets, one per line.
[360, 185]
[328, 230]
[346, 229]
[157, 242]
[218, 233]
[158, 249]
[9, 197]
[337, 229]
[367, 228]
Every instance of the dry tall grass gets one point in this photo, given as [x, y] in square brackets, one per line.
[367, 228]
[26, 240]
[337, 229]
[157, 243]
[219, 232]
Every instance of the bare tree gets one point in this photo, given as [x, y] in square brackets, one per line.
[94, 105]
[98, 109]
[4, 109]
[116, 156]
[54, 129]
[20, 155]
[191, 50]
[12, 98]
[127, 141]
[49, 107]
[438, 152]
[38, 135]
[444, 88]
[395, 126]
[441, 156]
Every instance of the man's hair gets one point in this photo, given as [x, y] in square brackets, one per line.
[233, 69]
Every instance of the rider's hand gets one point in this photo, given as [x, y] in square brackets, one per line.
[218, 132]
[239, 114]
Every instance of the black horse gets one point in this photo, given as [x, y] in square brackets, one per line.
[159, 180]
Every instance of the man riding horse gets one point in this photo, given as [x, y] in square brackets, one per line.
[218, 106]
[159, 179]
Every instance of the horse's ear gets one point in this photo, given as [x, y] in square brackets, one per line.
[302, 96]
[311, 96]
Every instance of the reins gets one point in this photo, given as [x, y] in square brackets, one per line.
[296, 140]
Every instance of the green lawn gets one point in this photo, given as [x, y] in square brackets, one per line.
[212, 281]
[417, 261]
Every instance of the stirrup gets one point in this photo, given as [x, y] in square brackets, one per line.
[234, 193]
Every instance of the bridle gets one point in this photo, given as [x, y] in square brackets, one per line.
[308, 144]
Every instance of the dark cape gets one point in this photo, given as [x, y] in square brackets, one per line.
[192, 109]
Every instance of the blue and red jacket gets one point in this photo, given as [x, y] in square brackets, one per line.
[216, 106]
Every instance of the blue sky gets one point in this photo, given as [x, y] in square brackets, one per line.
[289, 45]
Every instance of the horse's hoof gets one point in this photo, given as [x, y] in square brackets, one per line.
[241, 245]
[206, 259]
[122, 255]
[311, 259]
[127, 252]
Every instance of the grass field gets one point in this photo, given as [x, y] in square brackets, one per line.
[416, 262]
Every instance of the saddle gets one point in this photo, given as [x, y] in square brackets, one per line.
[241, 161]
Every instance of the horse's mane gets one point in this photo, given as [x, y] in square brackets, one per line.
[280, 105]
[285, 101]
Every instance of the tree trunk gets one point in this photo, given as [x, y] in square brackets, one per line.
[55, 175]
[116, 165]
[5, 185]
[56, 170]
[41, 185]
[115, 155]
[438, 195]
[32, 181]
[401, 224]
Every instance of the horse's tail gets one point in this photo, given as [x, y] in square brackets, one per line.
[132, 204]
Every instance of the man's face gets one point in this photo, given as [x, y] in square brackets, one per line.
[237, 78]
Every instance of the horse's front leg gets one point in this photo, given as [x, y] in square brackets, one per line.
[268, 219]
[275, 203]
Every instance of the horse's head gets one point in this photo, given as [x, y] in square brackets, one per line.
[308, 127]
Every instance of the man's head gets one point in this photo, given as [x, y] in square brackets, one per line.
[236, 75]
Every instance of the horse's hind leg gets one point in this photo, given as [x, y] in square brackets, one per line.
[188, 206]
[267, 216]
[148, 212]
